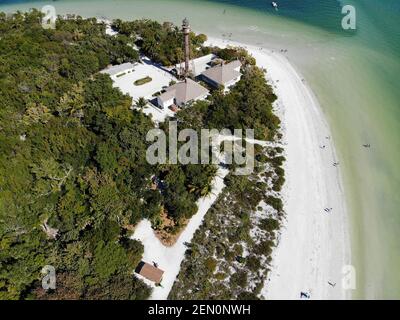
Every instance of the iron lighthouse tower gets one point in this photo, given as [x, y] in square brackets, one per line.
[186, 32]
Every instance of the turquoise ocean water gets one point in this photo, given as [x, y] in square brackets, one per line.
[355, 76]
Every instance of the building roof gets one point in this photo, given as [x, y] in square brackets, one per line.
[149, 272]
[197, 65]
[222, 74]
[184, 91]
[113, 70]
[234, 64]
[167, 95]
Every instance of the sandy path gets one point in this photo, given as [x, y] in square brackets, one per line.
[169, 258]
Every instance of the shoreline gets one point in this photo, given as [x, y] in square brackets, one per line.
[313, 245]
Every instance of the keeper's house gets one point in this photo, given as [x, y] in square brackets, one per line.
[181, 94]
[225, 75]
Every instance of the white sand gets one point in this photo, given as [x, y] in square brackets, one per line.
[314, 245]
[169, 258]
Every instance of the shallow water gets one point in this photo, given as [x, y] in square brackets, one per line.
[355, 76]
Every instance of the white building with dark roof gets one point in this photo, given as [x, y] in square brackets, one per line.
[223, 75]
[182, 93]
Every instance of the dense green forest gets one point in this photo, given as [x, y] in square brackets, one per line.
[74, 179]
[161, 42]
[73, 173]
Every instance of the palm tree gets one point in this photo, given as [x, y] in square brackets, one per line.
[141, 103]
[204, 188]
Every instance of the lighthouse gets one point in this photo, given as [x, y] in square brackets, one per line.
[186, 32]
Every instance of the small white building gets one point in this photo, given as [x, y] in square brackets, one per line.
[119, 70]
[181, 94]
[223, 75]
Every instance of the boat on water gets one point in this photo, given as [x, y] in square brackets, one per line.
[274, 4]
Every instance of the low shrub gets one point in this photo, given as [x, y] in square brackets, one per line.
[142, 81]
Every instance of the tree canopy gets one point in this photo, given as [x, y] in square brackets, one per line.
[73, 172]
[162, 43]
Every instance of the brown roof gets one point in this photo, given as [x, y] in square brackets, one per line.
[222, 74]
[184, 91]
[234, 64]
[167, 95]
[149, 272]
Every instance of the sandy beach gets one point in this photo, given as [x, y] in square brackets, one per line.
[314, 245]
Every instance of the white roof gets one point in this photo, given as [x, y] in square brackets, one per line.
[112, 71]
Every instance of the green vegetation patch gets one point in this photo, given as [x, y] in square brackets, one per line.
[142, 81]
[162, 42]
